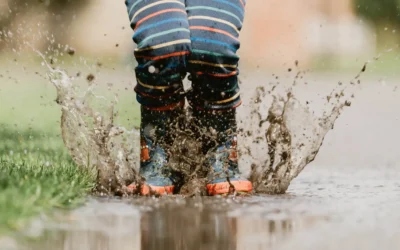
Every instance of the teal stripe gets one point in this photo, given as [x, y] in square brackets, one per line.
[198, 51]
[133, 6]
[161, 34]
[177, 75]
[217, 10]
[240, 9]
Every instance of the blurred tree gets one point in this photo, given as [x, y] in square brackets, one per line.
[379, 11]
[61, 12]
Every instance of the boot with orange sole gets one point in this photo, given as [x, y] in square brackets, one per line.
[224, 176]
[156, 135]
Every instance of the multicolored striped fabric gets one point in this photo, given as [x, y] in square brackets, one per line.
[176, 37]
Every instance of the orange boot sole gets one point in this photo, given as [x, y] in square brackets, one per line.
[225, 187]
[148, 189]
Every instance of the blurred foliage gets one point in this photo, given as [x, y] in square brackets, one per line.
[61, 12]
[379, 11]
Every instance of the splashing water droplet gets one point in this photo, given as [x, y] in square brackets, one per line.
[274, 151]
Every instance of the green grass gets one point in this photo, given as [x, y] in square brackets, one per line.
[36, 171]
[36, 175]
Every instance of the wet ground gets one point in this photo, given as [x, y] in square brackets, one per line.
[348, 198]
[324, 209]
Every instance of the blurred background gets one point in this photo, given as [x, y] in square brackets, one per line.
[320, 34]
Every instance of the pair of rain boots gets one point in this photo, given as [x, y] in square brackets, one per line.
[157, 131]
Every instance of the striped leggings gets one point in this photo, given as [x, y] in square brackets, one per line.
[176, 37]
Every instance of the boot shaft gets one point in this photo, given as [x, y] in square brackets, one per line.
[215, 127]
[159, 126]
[157, 132]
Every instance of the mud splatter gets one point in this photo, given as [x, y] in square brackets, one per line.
[186, 157]
[70, 51]
[276, 143]
[90, 78]
[289, 135]
[92, 138]
[292, 140]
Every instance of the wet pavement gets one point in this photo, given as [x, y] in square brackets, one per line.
[347, 199]
[324, 209]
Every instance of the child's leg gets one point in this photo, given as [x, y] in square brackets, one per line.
[215, 27]
[163, 44]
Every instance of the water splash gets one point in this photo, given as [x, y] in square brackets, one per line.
[275, 143]
[92, 138]
[291, 141]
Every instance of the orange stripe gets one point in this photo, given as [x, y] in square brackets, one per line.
[156, 14]
[219, 75]
[164, 56]
[241, 1]
[213, 30]
[237, 105]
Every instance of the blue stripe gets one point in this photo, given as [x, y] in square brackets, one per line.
[231, 4]
[198, 39]
[140, 30]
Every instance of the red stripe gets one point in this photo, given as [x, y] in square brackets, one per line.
[154, 58]
[241, 1]
[213, 30]
[156, 14]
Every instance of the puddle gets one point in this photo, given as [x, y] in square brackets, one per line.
[169, 223]
[321, 210]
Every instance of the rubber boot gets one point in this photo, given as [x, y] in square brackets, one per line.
[156, 134]
[220, 148]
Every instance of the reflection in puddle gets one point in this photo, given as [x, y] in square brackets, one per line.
[187, 224]
[98, 226]
[265, 233]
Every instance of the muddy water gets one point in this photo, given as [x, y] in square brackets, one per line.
[323, 209]
[279, 135]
